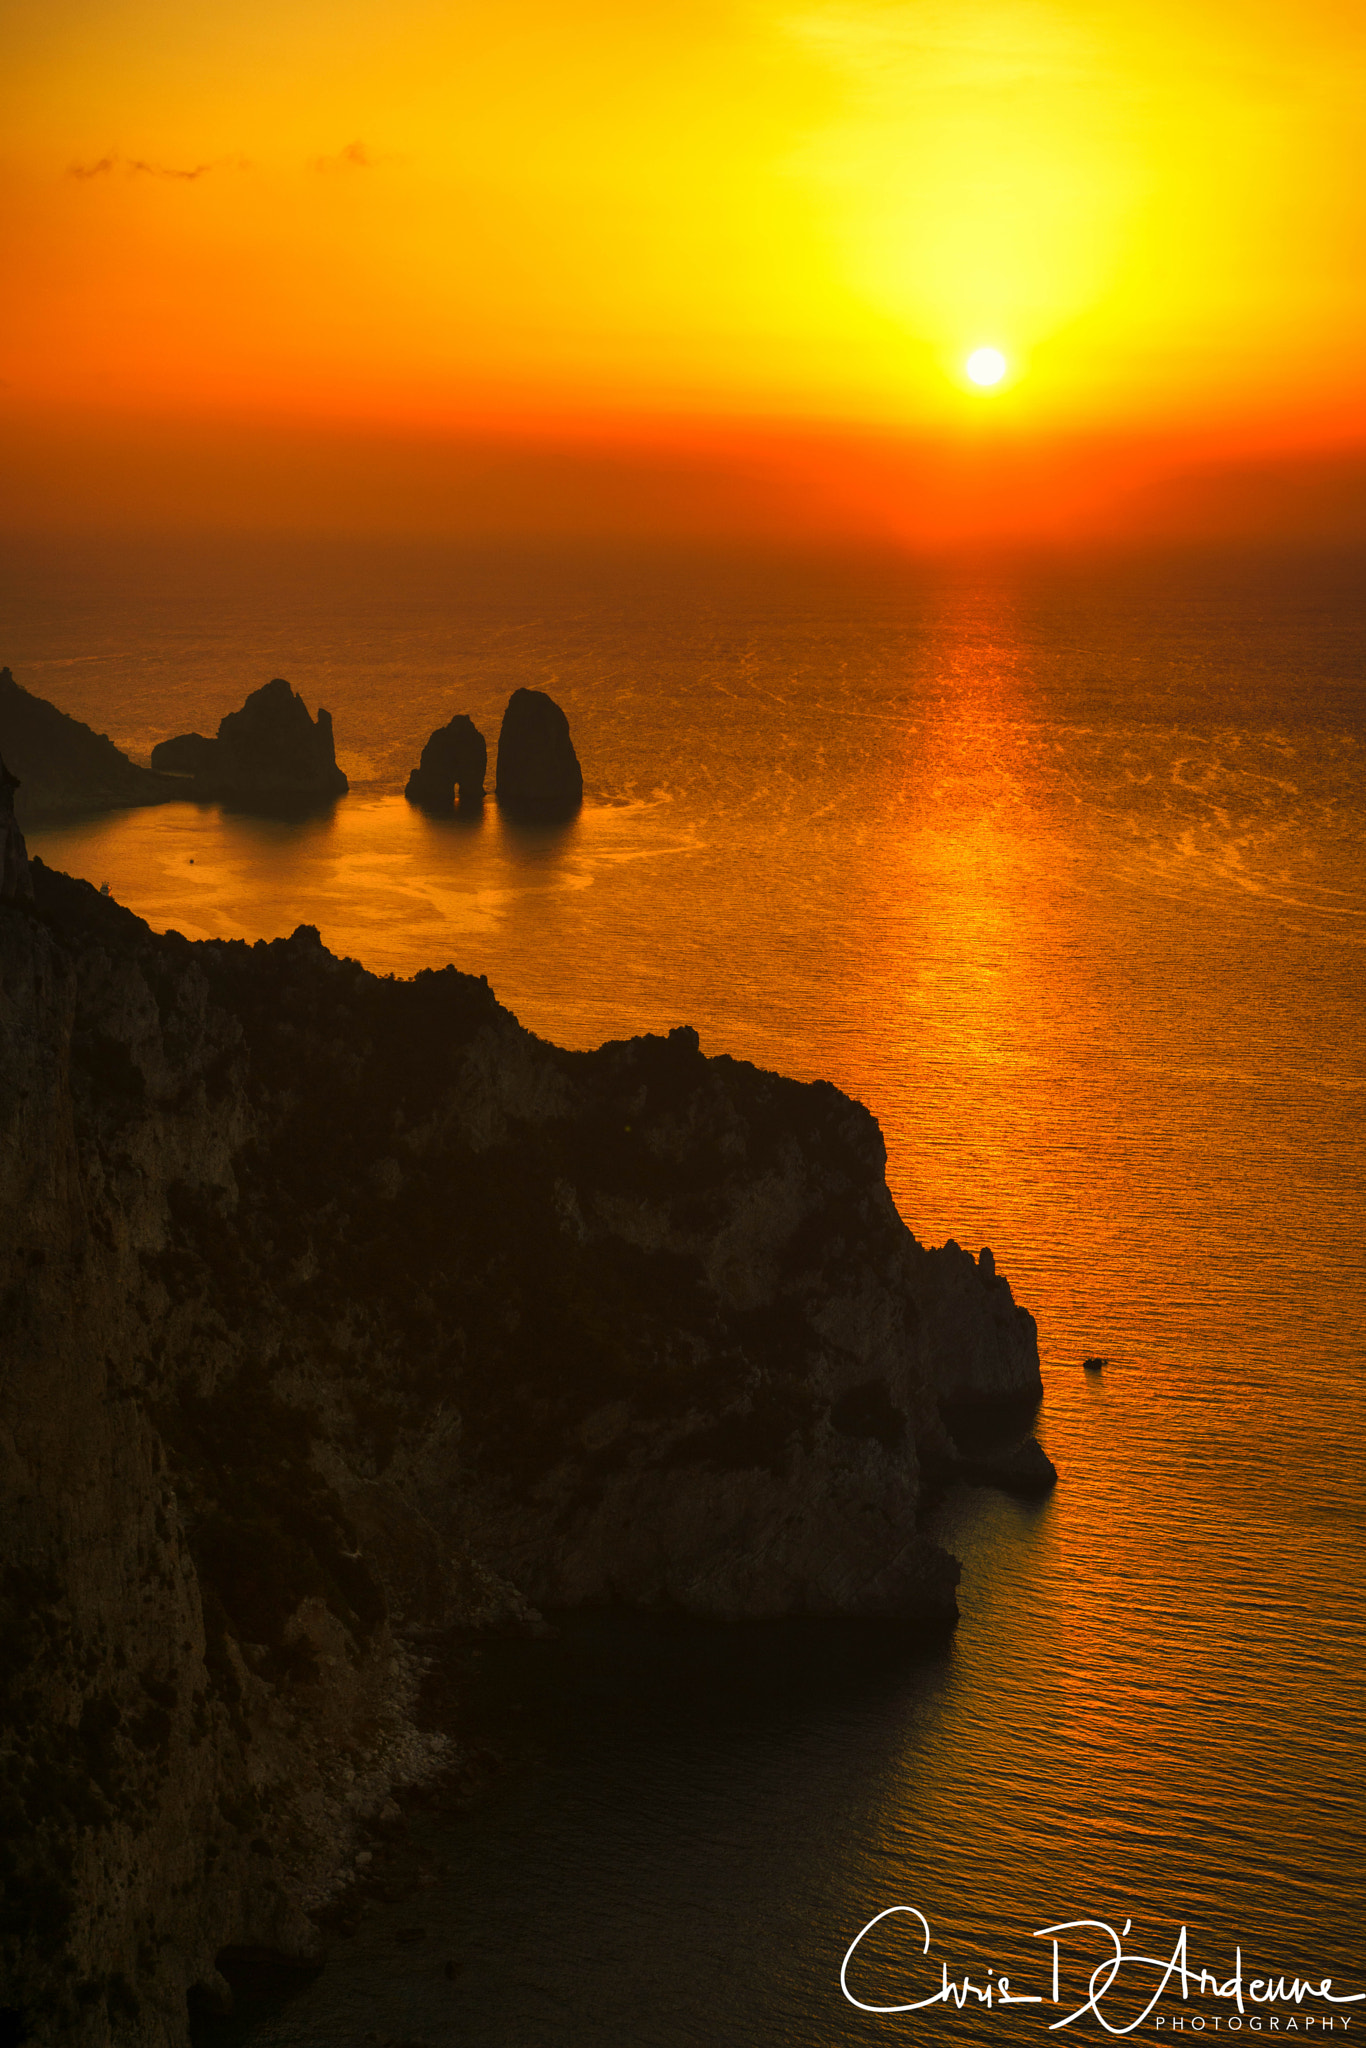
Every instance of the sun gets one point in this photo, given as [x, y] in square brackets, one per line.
[986, 366]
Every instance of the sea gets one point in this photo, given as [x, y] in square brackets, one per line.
[1058, 863]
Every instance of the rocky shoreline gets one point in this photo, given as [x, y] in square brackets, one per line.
[337, 1309]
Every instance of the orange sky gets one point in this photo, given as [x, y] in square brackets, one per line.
[685, 266]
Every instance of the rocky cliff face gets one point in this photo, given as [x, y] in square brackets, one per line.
[981, 1350]
[334, 1306]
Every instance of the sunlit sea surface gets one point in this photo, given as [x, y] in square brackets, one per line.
[1063, 872]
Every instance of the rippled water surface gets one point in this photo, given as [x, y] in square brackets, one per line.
[1063, 872]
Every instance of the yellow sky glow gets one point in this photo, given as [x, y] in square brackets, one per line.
[394, 215]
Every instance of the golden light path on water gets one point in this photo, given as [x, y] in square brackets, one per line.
[1065, 880]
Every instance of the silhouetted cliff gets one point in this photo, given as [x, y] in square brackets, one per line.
[336, 1305]
[62, 766]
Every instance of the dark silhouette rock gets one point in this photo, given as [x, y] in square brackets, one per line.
[64, 767]
[270, 753]
[538, 771]
[271, 746]
[1094, 1364]
[1018, 1468]
[456, 757]
[191, 754]
[16, 883]
[981, 1347]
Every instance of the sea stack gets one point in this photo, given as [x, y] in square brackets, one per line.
[455, 758]
[271, 752]
[538, 771]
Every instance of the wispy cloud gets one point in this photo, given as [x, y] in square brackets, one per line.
[354, 156]
[136, 166]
